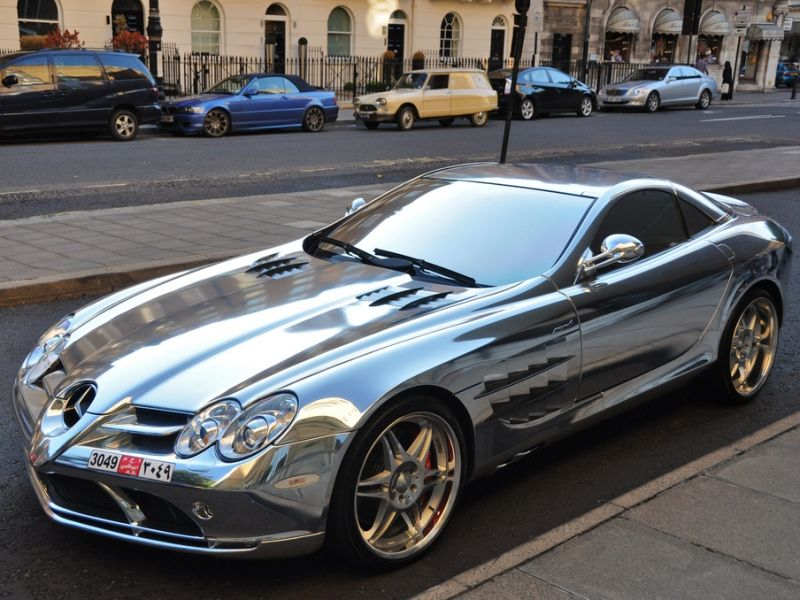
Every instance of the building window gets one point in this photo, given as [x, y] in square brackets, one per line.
[340, 32]
[450, 36]
[37, 17]
[205, 28]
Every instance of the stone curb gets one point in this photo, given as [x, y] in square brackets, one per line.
[85, 283]
[480, 574]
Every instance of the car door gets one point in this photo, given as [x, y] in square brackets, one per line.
[266, 106]
[437, 97]
[31, 102]
[466, 96]
[542, 90]
[565, 96]
[82, 90]
[691, 82]
[294, 101]
[671, 89]
[638, 316]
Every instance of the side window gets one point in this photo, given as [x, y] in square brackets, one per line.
[696, 220]
[289, 87]
[122, 68]
[76, 67]
[524, 77]
[270, 85]
[540, 76]
[649, 215]
[30, 70]
[691, 73]
[559, 77]
[438, 82]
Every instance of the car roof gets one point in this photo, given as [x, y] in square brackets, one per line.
[563, 179]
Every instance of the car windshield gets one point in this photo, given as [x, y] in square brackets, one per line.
[6, 58]
[411, 81]
[647, 75]
[231, 85]
[496, 234]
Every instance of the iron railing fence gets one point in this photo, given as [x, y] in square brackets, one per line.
[597, 74]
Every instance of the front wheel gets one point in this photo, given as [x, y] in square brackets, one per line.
[217, 123]
[405, 118]
[747, 349]
[527, 110]
[124, 125]
[653, 102]
[586, 107]
[479, 119]
[314, 119]
[399, 484]
[705, 100]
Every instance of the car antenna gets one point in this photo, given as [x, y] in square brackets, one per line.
[520, 21]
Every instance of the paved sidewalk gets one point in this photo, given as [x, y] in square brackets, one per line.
[91, 252]
[730, 532]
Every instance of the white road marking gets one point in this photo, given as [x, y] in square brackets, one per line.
[745, 118]
[105, 185]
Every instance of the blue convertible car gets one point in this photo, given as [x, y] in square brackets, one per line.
[254, 101]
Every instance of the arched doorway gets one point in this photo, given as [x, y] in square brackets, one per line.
[129, 10]
[666, 29]
[497, 43]
[621, 29]
[275, 38]
[396, 35]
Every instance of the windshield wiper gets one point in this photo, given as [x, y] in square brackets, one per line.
[433, 268]
[367, 257]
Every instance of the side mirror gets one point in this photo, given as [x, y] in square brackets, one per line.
[616, 248]
[10, 80]
[671, 79]
[250, 92]
[355, 205]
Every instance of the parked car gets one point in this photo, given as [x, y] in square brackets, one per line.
[786, 74]
[544, 90]
[251, 102]
[76, 90]
[652, 87]
[349, 384]
[441, 94]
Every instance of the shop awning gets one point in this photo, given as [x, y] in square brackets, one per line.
[715, 23]
[668, 21]
[764, 31]
[623, 20]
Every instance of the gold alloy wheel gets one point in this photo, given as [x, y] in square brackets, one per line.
[216, 123]
[753, 346]
[407, 485]
[314, 120]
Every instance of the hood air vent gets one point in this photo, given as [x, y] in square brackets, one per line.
[275, 268]
[402, 298]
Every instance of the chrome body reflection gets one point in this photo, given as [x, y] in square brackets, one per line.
[520, 361]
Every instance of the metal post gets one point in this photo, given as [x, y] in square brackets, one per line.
[154, 33]
[736, 64]
[795, 84]
[520, 20]
[587, 22]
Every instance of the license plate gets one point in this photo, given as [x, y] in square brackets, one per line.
[134, 466]
[613, 99]
[167, 119]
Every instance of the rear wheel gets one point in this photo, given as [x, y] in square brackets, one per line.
[217, 123]
[124, 125]
[653, 102]
[314, 119]
[586, 107]
[371, 124]
[399, 484]
[406, 118]
[527, 110]
[479, 119]
[705, 100]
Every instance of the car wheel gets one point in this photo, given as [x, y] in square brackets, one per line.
[527, 109]
[747, 349]
[217, 123]
[446, 122]
[653, 102]
[479, 119]
[124, 125]
[399, 484]
[586, 107]
[405, 118]
[371, 124]
[314, 119]
[705, 100]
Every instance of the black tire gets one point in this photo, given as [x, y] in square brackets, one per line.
[123, 126]
[705, 100]
[314, 119]
[371, 125]
[653, 102]
[217, 123]
[586, 106]
[446, 122]
[351, 511]
[479, 119]
[527, 109]
[738, 344]
[405, 118]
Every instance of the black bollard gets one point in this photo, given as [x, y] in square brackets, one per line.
[795, 83]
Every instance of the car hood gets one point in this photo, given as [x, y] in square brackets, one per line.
[389, 95]
[212, 332]
[199, 99]
[632, 85]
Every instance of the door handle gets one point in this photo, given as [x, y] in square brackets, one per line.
[63, 92]
[47, 94]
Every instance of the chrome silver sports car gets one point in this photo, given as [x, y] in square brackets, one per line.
[652, 87]
[349, 384]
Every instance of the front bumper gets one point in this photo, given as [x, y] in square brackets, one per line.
[182, 122]
[373, 116]
[273, 504]
[621, 101]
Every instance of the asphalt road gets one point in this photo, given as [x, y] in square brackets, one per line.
[39, 559]
[44, 176]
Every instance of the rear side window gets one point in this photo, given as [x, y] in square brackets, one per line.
[289, 87]
[122, 68]
[559, 77]
[540, 76]
[30, 70]
[696, 220]
[438, 82]
[76, 67]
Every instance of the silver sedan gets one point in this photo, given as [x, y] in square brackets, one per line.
[350, 384]
[651, 88]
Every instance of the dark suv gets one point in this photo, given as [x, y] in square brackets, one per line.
[76, 90]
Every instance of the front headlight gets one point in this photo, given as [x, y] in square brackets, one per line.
[380, 101]
[47, 349]
[601, 92]
[238, 433]
[198, 110]
[356, 101]
[636, 92]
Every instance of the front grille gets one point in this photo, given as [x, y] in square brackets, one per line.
[83, 496]
[162, 514]
[170, 110]
[615, 92]
[149, 430]
[367, 107]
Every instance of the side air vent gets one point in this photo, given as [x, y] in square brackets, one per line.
[78, 401]
[402, 298]
[275, 268]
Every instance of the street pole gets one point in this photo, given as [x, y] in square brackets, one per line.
[520, 20]
[154, 33]
[587, 22]
[736, 64]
